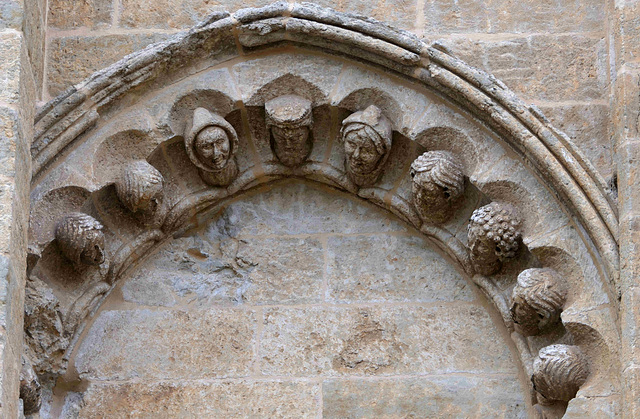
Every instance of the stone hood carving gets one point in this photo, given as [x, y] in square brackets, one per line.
[202, 118]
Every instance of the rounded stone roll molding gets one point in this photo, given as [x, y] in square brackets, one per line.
[437, 183]
[289, 119]
[80, 238]
[537, 300]
[140, 187]
[559, 371]
[494, 233]
[367, 138]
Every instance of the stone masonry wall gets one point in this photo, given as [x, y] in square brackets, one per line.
[21, 67]
[294, 301]
[555, 54]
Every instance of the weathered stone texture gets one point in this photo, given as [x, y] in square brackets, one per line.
[630, 31]
[381, 341]
[503, 16]
[74, 58]
[541, 67]
[223, 399]
[10, 44]
[187, 345]
[70, 14]
[588, 126]
[390, 268]
[306, 209]
[463, 396]
[11, 14]
[182, 14]
[34, 27]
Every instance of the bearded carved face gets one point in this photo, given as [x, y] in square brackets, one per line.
[362, 155]
[291, 145]
[213, 147]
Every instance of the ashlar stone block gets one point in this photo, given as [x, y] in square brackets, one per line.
[467, 396]
[381, 341]
[146, 344]
[71, 14]
[73, 58]
[388, 268]
[541, 67]
[220, 399]
[299, 208]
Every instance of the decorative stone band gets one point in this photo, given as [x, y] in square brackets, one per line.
[550, 153]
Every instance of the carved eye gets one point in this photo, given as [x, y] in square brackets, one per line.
[447, 194]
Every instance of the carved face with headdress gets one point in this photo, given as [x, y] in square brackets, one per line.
[289, 121]
[211, 144]
[367, 137]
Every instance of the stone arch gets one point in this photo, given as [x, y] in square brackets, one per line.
[232, 65]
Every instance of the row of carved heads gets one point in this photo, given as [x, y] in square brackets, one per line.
[559, 370]
[212, 143]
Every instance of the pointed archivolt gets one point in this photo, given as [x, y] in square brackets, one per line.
[300, 91]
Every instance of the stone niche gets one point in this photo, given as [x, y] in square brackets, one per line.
[291, 212]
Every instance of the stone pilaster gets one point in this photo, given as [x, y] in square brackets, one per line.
[21, 51]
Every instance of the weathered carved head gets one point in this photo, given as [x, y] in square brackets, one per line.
[140, 187]
[367, 137]
[289, 121]
[494, 235]
[537, 300]
[438, 181]
[559, 371]
[211, 144]
[80, 238]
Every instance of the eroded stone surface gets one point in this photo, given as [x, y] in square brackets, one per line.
[197, 344]
[266, 399]
[390, 268]
[302, 209]
[69, 56]
[433, 397]
[69, 14]
[381, 341]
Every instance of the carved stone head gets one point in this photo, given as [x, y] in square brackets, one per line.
[494, 235]
[80, 238]
[438, 181]
[211, 144]
[537, 300]
[559, 371]
[367, 138]
[289, 121]
[140, 187]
